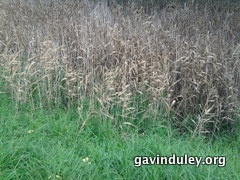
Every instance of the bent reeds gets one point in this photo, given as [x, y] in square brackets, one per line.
[65, 52]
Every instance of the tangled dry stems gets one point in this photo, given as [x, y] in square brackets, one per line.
[65, 52]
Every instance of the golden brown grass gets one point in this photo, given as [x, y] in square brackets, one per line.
[64, 52]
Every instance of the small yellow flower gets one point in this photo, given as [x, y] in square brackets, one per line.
[86, 159]
[57, 176]
[30, 131]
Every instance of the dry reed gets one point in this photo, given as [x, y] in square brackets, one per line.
[65, 52]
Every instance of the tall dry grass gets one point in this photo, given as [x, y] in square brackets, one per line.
[185, 59]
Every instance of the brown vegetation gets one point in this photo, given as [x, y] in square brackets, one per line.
[187, 58]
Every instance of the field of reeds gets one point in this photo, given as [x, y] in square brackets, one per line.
[130, 64]
[88, 85]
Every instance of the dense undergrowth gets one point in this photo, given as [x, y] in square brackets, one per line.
[86, 86]
[183, 60]
[53, 144]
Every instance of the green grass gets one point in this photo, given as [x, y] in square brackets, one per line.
[37, 145]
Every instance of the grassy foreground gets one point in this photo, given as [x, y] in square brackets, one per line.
[51, 145]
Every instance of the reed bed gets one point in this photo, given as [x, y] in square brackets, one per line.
[129, 64]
